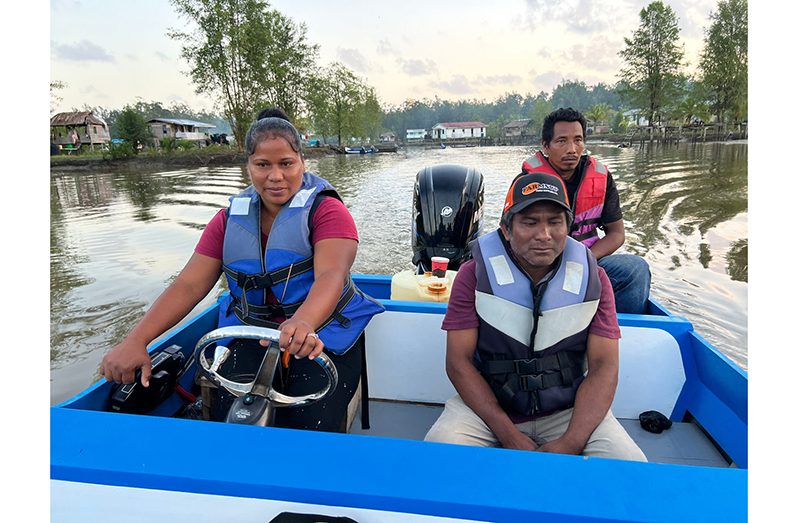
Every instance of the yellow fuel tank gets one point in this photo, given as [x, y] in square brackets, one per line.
[407, 285]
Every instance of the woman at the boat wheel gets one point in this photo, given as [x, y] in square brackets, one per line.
[286, 244]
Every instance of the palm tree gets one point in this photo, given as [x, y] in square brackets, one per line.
[599, 113]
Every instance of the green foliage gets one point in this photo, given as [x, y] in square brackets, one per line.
[132, 127]
[599, 113]
[571, 94]
[55, 99]
[117, 151]
[618, 123]
[369, 114]
[724, 60]
[653, 58]
[168, 144]
[693, 105]
[418, 114]
[541, 108]
[342, 105]
[245, 56]
[291, 65]
[153, 109]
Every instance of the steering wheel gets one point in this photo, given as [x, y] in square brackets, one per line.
[261, 387]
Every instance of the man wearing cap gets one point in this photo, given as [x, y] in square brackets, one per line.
[595, 203]
[527, 317]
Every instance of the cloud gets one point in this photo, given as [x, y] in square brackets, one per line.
[599, 54]
[579, 16]
[93, 93]
[547, 81]
[354, 59]
[385, 47]
[500, 79]
[83, 51]
[162, 57]
[693, 16]
[414, 67]
[613, 17]
[461, 85]
[458, 85]
[176, 98]
[66, 6]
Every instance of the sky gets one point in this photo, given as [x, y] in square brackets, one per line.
[112, 53]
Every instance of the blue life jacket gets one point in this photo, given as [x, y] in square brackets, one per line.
[286, 268]
[532, 341]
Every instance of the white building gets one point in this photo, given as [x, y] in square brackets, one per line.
[451, 130]
[416, 134]
[635, 117]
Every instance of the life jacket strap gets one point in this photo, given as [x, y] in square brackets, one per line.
[262, 315]
[267, 311]
[269, 279]
[343, 301]
[592, 233]
[533, 375]
[553, 362]
[257, 322]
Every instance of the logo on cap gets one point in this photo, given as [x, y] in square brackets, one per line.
[540, 186]
[529, 189]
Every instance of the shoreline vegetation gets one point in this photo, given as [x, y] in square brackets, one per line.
[230, 156]
[198, 157]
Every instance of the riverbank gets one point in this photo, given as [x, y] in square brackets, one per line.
[202, 157]
[225, 156]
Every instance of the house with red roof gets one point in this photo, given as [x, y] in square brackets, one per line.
[453, 130]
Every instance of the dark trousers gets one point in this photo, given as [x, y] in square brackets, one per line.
[307, 377]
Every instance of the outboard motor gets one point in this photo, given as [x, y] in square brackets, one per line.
[447, 214]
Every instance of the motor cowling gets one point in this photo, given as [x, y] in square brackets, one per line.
[447, 214]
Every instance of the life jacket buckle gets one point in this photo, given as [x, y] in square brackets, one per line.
[523, 367]
[530, 382]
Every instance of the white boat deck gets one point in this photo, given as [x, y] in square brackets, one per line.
[682, 444]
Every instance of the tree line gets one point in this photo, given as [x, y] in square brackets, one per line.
[245, 55]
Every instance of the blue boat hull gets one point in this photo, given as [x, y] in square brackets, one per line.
[96, 454]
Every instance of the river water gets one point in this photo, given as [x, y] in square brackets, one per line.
[118, 238]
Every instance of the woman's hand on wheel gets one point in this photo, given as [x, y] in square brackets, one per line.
[300, 339]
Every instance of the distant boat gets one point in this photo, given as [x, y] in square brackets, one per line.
[361, 150]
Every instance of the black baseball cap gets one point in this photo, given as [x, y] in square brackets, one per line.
[527, 189]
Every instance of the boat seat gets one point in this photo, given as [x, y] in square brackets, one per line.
[682, 444]
[650, 372]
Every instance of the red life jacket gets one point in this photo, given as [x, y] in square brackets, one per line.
[588, 202]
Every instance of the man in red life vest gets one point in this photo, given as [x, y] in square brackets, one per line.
[595, 204]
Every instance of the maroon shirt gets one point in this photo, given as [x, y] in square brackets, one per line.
[461, 312]
[331, 220]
